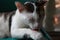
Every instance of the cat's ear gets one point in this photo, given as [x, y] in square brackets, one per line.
[19, 6]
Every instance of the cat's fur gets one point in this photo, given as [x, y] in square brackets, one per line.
[23, 22]
[22, 19]
[4, 23]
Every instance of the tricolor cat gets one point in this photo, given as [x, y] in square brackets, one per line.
[23, 22]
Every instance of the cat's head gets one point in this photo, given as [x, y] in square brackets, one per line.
[29, 6]
[32, 8]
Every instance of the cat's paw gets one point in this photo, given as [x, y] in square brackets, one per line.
[36, 36]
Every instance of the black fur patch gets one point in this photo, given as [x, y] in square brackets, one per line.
[10, 20]
[29, 7]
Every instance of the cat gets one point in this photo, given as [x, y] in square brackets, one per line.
[24, 22]
[21, 22]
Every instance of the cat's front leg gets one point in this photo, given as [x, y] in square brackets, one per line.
[19, 33]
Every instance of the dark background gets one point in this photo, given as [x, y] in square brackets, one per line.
[8, 5]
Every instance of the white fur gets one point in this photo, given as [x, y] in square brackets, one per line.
[19, 23]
